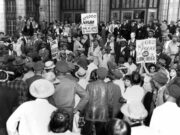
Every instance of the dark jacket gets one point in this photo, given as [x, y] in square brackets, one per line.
[116, 96]
[8, 102]
[99, 105]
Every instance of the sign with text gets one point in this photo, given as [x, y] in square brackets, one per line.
[146, 51]
[89, 23]
[54, 49]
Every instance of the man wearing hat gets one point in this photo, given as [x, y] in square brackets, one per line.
[64, 97]
[161, 55]
[38, 70]
[33, 117]
[8, 101]
[97, 111]
[165, 118]
[159, 80]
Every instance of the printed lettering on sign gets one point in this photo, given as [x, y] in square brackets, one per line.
[146, 51]
[89, 23]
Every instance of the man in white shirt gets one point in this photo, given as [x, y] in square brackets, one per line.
[33, 116]
[166, 118]
[130, 66]
[134, 114]
[17, 46]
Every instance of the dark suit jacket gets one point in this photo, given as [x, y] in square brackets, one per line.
[8, 102]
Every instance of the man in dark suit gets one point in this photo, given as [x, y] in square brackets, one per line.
[161, 55]
[121, 50]
[8, 101]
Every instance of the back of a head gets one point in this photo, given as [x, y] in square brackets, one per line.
[118, 127]
[136, 78]
[59, 122]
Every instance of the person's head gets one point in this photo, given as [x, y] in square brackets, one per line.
[152, 68]
[130, 60]
[172, 91]
[128, 81]
[159, 49]
[161, 63]
[10, 47]
[174, 38]
[159, 79]
[151, 33]
[95, 43]
[93, 75]
[136, 78]
[169, 37]
[102, 73]
[41, 89]
[173, 73]
[118, 127]
[60, 121]
[112, 38]
[133, 35]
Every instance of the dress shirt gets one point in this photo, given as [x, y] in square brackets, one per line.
[131, 68]
[166, 118]
[143, 130]
[134, 93]
[34, 117]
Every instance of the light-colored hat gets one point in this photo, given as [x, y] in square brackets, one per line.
[49, 65]
[41, 88]
[134, 110]
[50, 76]
[81, 73]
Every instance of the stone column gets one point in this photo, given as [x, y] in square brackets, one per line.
[3, 17]
[20, 8]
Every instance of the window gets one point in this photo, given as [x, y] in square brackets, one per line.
[124, 3]
[127, 3]
[136, 3]
[113, 4]
[132, 3]
[144, 3]
[32, 9]
[150, 3]
[155, 3]
[10, 16]
[117, 3]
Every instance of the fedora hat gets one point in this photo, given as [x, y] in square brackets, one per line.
[49, 65]
[81, 73]
[42, 88]
[18, 61]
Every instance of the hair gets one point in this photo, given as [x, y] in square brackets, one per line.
[118, 127]
[128, 77]
[59, 122]
[170, 36]
[152, 65]
[136, 78]
[93, 75]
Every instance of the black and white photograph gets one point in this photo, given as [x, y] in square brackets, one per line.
[89, 67]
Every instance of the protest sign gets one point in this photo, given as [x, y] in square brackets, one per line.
[89, 23]
[146, 51]
[54, 49]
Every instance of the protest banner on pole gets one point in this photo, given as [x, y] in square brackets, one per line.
[89, 23]
[146, 51]
[54, 49]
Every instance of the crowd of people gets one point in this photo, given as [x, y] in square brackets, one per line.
[91, 84]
